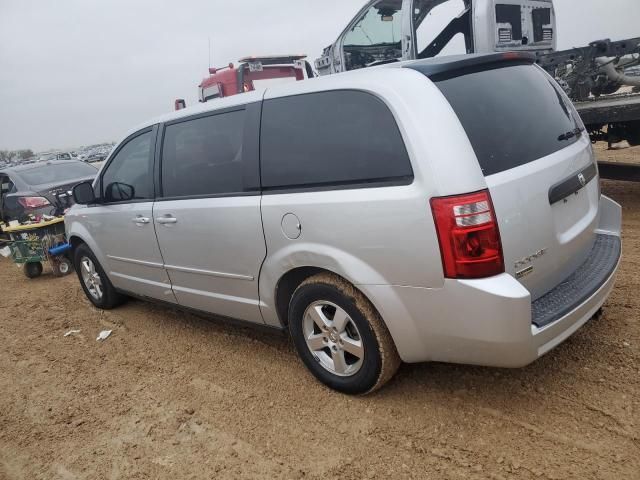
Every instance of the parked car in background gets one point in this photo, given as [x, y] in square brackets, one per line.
[436, 210]
[40, 188]
[99, 157]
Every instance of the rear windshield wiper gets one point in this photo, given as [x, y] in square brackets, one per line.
[569, 135]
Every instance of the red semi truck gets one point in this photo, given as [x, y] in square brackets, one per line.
[229, 80]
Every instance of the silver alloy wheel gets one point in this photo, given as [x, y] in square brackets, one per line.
[333, 338]
[91, 278]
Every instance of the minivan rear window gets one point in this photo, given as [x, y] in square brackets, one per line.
[512, 115]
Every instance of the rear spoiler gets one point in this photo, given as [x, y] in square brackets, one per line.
[455, 66]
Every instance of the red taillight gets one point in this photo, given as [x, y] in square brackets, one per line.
[468, 235]
[33, 202]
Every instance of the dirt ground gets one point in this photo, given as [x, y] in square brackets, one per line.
[626, 155]
[173, 396]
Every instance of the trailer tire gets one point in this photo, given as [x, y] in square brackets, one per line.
[62, 266]
[32, 269]
[633, 137]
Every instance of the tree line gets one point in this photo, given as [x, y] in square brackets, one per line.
[7, 155]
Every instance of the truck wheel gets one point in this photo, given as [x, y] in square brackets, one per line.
[32, 269]
[340, 337]
[95, 283]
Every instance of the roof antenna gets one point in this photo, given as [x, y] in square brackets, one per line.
[209, 39]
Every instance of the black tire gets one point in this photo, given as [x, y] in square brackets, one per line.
[61, 266]
[380, 360]
[32, 269]
[633, 135]
[110, 298]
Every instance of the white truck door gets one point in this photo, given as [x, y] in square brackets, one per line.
[441, 27]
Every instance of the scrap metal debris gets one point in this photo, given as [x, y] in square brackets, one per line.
[104, 335]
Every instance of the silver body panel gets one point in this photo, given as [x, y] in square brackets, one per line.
[128, 251]
[226, 255]
[213, 253]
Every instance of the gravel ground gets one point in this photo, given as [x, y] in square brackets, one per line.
[170, 395]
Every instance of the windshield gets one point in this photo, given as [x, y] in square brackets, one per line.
[512, 115]
[377, 36]
[57, 173]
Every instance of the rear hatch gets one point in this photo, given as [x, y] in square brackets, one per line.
[537, 161]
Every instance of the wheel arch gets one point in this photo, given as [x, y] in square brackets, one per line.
[78, 235]
[292, 279]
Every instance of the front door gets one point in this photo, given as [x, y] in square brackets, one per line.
[122, 223]
[207, 215]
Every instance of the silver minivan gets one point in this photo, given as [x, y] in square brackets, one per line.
[438, 210]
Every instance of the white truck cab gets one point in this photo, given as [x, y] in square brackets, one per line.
[385, 31]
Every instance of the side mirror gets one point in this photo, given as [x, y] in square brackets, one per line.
[83, 193]
[119, 192]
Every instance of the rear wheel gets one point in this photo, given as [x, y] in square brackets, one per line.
[32, 269]
[340, 337]
[95, 283]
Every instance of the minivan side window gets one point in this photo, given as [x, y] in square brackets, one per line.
[332, 138]
[128, 176]
[203, 156]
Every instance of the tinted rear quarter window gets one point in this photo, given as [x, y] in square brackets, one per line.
[512, 115]
[330, 139]
[203, 156]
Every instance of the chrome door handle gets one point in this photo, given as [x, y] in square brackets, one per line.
[141, 220]
[166, 220]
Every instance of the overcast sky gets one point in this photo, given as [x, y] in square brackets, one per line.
[78, 72]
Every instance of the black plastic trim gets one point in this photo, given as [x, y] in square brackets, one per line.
[333, 186]
[455, 66]
[582, 284]
[572, 184]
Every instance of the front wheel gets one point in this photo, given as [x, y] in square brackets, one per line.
[340, 337]
[95, 283]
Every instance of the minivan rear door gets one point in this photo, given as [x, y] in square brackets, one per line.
[537, 161]
[207, 213]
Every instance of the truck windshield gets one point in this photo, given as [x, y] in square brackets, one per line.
[512, 115]
[57, 173]
[376, 36]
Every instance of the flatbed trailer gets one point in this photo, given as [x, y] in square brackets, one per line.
[612, 118]
[619, 113]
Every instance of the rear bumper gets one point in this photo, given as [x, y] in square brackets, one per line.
[492, 321]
